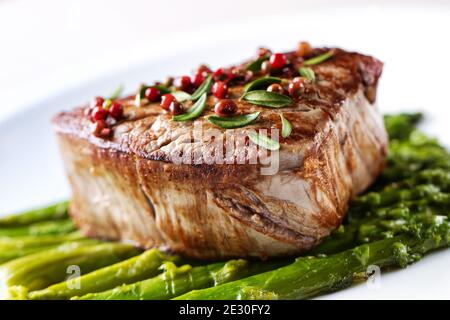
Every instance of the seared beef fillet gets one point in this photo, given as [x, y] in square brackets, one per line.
[127, 187]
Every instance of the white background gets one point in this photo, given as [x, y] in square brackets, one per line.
[48, 45]
[55, 54]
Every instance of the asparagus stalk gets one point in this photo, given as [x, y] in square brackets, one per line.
[28, 242]
[391, 196]
[44, 268]
[369, 224]
[343, 238]
[410, 151]
[53, 212]
[310, 276]
[9, 254]
[407, 158]
[18, 232]
[400, 126]
[386, 223]
[135, 269]
[39, 229]
[14, 254]
[178, 280]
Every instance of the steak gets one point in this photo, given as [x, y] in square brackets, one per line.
[158, 183]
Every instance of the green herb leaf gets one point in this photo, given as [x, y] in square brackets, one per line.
[233, 122]
[162, 89]
[116, 93]
[261, 83]
[256, 65]
[137, 100]
[141, 92]
[181, 96]
[263, 141]
[308, 73]
[286, 127]
[194, 112]
[204, 88]
[267, 99]
[319, 59]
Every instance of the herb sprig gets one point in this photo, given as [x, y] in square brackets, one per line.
[203, 88]
[235, 121]
[320, 58]
[193, 112]
[286, 127]
[256, 64]
[307, 73]
[267, 99]
[116, 93]
[263, 141]
[261, 83]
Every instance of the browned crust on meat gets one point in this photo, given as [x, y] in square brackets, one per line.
[337, 79]
[337, 148]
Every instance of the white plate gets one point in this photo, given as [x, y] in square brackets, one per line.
[410, 41]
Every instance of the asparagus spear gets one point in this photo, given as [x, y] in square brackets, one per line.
[310, 276]
[132, 270]
[14, 254]
[400, 126]
[390, 195]
[53, 212]
[343, 238]
[28, 242]
[384, 223]
[366, 223]
[39, 229]
[41, 269]
[410, 151]
[17, 232]
[178, 280]
[406, 158]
